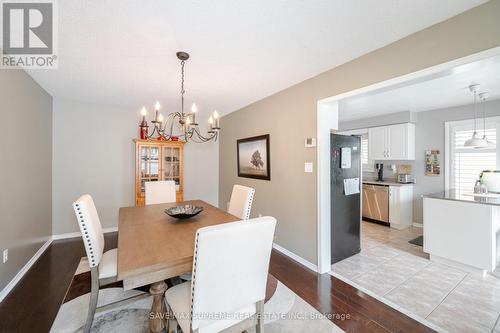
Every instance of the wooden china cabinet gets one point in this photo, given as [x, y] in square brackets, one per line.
[158, 160]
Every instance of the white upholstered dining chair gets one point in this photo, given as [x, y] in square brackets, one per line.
[238, 251]
[103, 265]
[241, 201]
[162, 191]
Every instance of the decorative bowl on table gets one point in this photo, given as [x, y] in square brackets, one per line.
[184, 211]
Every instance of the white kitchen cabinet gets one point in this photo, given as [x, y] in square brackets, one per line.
[397, 141]
[400, 206]
[376, 143]
[393, 142]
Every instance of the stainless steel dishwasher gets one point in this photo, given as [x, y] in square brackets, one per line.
[376, 202]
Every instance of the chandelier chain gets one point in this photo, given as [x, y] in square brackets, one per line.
[182, 86]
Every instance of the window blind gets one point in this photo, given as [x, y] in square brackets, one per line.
[468, 163]
[364, 149]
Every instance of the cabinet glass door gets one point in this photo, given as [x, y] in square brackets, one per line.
[150, 164]
[171, 165]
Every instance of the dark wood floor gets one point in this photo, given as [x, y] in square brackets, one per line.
[34, 302]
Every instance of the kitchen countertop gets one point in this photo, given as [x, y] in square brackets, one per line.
[456, 195]
[385, 183]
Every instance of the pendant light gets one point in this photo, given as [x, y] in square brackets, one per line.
[483, 97]
[475, 141]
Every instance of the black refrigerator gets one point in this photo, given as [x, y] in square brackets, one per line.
[345, 196]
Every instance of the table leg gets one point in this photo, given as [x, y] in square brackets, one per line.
[158, 313]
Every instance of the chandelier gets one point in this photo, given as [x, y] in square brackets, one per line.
[179, 125]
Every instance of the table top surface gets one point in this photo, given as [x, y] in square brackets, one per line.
[149, 240]
[464, 196]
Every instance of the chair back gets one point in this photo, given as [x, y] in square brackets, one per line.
[241, 200]
[90, 227]
[230, 268]
[162, 191]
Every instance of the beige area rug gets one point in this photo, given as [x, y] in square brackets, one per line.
[284, 311]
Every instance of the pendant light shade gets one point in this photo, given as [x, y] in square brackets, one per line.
[475, 141]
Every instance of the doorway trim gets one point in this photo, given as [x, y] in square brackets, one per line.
[327, 121]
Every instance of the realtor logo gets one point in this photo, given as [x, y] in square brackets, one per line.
[28, 34]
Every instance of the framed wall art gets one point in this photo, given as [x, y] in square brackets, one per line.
[432, 165]
[253, 157]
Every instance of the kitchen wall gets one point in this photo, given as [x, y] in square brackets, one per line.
[289, 116]
[94, 153]
[26, 158]
[429, 134]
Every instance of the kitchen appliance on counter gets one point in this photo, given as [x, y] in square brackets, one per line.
[380, 172]
[405, 179]
[480, 188]
[491, 179]
[376, 203]
[345, 197]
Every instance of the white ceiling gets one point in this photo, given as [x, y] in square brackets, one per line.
[446, 89]
[122, 52]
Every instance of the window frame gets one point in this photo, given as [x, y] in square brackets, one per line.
[467, 124]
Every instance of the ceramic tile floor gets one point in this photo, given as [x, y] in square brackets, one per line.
[401, 274]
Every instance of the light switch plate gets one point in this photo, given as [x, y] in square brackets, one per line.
[5, 255]
[308, 167]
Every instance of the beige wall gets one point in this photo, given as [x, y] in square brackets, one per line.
[94, 153]
[25, 174]
[290, 116]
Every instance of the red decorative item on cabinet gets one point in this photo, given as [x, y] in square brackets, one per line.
[143, 128]
[143, 132]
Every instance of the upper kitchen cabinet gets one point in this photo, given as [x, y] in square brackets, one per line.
[393, 142]
[377, 146]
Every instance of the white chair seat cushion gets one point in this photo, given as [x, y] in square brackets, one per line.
[179, 299]
[108, 265]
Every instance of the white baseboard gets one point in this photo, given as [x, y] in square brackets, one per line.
[457, 265]
[5, 291]
[295, 257]
[496, 272]
[418, 225]
[78, 234]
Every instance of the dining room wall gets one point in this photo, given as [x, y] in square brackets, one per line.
[94, 153]
[290, 116]
[25, 177]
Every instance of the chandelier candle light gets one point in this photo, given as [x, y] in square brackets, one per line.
[163, 128]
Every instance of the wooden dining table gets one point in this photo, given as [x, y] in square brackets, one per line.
[153, 247]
